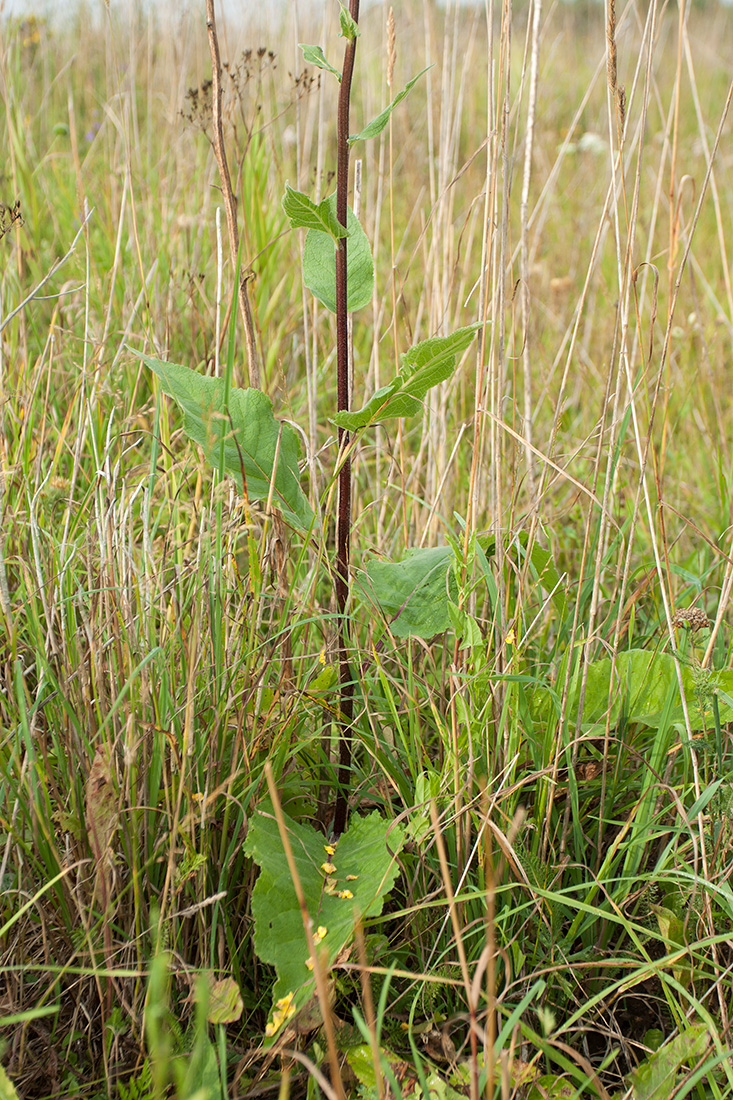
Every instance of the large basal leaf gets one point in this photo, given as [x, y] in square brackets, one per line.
[655, 1079]
[414, 593]
[342, 883]
[642, 683]
[250, 438]
[424, 365]
[319, 264]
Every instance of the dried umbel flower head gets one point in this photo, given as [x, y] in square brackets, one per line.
[9, 215]
[692, 617]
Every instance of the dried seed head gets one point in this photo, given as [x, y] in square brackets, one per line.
[611, 43]
[621, 106]
[391, 48]
[692, 617]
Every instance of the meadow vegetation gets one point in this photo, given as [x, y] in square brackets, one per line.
[540, 840]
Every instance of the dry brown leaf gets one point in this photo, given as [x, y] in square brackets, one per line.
[101, 813]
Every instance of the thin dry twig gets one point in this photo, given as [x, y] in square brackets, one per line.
[230, 206]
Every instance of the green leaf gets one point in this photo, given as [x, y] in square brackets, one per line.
[305, 214]
[655, 1078]
[372, 413]
[349, 28]
[253, 442]
[670, 924]
[550, 1087]
[465, 627]
[424, 365]
[364, 867]
[377, 124]
[672, 927]
[314, 56]
[361, 1062]
[653, 1038]
[414, 593]
[7, 1088]
[201, 1079]
[225, 1002]
[548, 576]
[642, 683]
[319, 264]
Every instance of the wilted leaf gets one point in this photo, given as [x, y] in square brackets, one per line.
[225, 1002]
[101, 805]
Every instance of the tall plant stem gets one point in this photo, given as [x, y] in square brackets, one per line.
[343, 523]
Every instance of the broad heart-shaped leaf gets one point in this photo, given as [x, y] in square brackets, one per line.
[305, 214]
[414, 593]
[364, 870]
[314, 55]
[424, 365]
[253, 443]
[377, 124]
[655, 1079]
[319, 264]
[642, 683]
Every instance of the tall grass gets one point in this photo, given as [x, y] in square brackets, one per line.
[564, 902]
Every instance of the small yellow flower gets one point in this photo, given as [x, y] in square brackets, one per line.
[328, 868]
[345, 894]
[319, 935]
[351, 878]
[329, 849]
[322, 657]
[511, 637]
[309, 963]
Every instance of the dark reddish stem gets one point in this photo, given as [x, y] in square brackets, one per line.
[343, 523]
